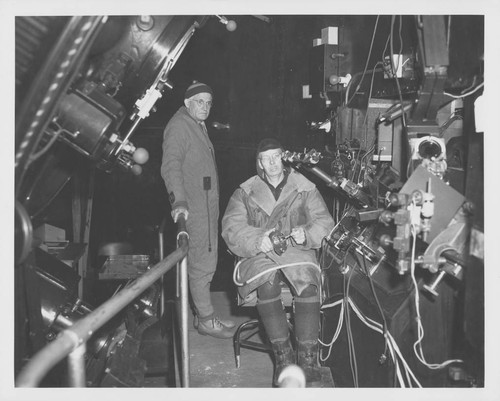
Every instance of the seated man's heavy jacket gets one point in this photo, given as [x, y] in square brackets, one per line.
[252, 211]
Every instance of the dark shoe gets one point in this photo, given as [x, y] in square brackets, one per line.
[283, 357]
[228, 323]
[307, 359]
[213, 327]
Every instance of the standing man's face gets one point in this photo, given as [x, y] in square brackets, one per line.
[199, 106]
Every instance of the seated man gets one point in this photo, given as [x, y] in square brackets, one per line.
[280, 198]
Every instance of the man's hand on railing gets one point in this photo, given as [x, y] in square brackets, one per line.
[180, 210]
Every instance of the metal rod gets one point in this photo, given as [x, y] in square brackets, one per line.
[160, 255]
[183, 303]
[184, 322]
[175, 342]
[76, 366]
[129, 134]
[82, 330]
[330, 181]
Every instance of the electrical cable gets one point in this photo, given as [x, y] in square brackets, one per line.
[376, 327]
[337, 331]
[368, 152]
[393, 345]
[465, 94]
[371, 89]
[367, 61]
[417, 346]
[240, 284]
[326, 245]
[364, 125]
[394, 71]
[447, 124]
[329, 236]
[372, 287]
[400, 36]
[35, 156]
[448, 35]
[385, 47]
[350, 342]
[471, 86]
[394, 350]
[349, 333]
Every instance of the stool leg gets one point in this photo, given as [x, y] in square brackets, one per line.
[236, 346]
[237, 339]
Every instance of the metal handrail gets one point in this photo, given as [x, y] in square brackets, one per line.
[71, 342]
[181, 295]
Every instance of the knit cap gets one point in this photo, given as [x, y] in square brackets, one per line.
[197, 87]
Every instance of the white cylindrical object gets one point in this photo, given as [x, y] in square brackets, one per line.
[292, 376]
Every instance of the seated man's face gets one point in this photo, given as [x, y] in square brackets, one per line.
[270, 161]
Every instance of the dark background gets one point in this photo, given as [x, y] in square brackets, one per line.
[257, 73]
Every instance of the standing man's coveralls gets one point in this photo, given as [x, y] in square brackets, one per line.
[190, 174]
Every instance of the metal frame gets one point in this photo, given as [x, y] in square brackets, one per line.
[71, 342]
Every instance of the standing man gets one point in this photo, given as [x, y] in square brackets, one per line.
[190, 174]
[282, 200]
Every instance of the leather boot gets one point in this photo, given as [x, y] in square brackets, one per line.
[273, 318]
[283, 357]
[307, 359]
[307, 320]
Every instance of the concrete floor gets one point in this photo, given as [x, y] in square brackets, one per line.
[212, 362]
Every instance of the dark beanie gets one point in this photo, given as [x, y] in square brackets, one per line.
[197, 87]
[267, 144]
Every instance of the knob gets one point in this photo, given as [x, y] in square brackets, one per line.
[386, 217]
[141, 156]
[432, 288]
[385, 240]
[136, 169]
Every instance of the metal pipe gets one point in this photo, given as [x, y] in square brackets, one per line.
[330, 181]
[76, 366]
[184, 322]
[182, 297]
[161, 253]
[129, 134]
[82, 330]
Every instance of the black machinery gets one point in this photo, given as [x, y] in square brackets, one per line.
[397, 262]
[83, 86]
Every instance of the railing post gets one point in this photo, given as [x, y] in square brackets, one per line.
[184, 321]
[183, 294]
[161, 255]
[76, 366]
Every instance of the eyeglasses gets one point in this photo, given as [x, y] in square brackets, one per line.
[201, 102]
[274, 158]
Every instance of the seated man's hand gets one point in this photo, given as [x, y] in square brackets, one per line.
[299, 235]
[266, 245]
[180, 210]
